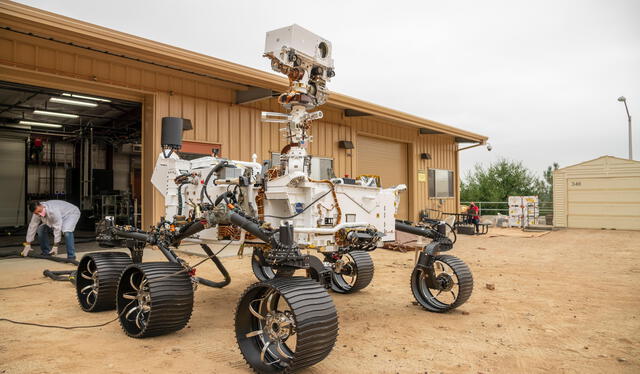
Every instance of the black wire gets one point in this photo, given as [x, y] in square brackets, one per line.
[23, 286]
[119, 315]
[68, 327]
[303, 210]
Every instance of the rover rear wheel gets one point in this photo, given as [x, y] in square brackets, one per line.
[154, 298]
[355, 272]
[264, 273]
[455, 284]
[97, 279]
[285, 324]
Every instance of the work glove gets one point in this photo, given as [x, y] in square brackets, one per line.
[26, 250]
[54, 250]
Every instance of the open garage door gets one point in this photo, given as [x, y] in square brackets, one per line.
[387, 159]
[72, 146]
[604, 203]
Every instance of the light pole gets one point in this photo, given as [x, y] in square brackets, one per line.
[624, 100]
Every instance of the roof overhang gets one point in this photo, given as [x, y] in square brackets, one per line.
[24, 18]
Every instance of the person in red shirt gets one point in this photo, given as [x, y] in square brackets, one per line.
[474, 214]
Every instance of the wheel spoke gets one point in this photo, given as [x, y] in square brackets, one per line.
[281, 351]
[88, 296]
[128, 296]
[85, 276]
[86, 288]
[252, 311]
[131, 282]
[270, 302]
[89, 267]
[138, 320]
[130, 312]
[264, 351]
[439, 292]
[253, 333]
[454, 295]
[143, 282]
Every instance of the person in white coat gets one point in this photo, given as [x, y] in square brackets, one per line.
[58, 216]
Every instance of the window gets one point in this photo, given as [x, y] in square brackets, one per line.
[441, 183]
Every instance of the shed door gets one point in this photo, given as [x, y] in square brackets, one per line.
[611, 203]
[387, 159]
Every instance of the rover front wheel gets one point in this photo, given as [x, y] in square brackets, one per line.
[285, 324]
[154, 298]
[454, 284]
[97, 279]
[354, 272]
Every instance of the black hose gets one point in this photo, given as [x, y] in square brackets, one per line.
[420, 231]
[60, 275]
[249, 226]
[219, 265]
[188, 230]
[180, 197]
[225, 196]
[215, 169]
[143, 237]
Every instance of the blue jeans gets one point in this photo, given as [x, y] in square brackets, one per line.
[43, 236]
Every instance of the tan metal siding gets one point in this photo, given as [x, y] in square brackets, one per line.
[604, 203]
[600, 193]
[216, 120]
[387, 159]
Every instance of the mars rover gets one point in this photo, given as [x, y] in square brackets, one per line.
[283, 322]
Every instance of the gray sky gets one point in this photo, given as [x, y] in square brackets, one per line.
[540, 78]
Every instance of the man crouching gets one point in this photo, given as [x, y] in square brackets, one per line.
[53, 215]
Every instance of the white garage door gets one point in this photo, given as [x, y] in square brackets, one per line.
[387, 159]
[612, 203]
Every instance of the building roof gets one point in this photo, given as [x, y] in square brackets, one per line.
[24, 18]
[602, 162]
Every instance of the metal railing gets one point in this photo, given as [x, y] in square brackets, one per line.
[502, 207]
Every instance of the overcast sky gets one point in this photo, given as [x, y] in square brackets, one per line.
[540, 78]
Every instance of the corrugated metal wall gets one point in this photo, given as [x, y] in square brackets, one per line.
[601, 193]
[208, 103]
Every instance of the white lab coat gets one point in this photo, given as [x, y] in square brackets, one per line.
[60, 215]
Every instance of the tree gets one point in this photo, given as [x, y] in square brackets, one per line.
[548, 178]
[501, 179]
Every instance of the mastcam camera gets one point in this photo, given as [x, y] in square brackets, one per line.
[305, 58]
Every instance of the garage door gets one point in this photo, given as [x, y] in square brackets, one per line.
[387, 159]
[612, 203]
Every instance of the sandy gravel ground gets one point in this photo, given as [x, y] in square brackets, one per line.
[566, 302]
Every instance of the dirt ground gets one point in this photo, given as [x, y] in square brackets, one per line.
[566, 302]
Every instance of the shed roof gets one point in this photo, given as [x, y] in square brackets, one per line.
[28, 19]
[602, 160]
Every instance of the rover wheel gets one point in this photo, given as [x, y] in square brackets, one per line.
[285, 324]
[97, 279]
[355, 273]
[264, 273]
[153, 300]
[455, 284]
